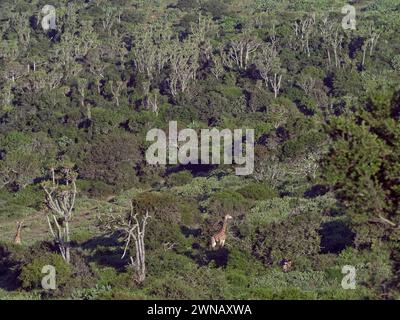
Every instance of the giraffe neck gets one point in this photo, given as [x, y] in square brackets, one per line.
[224, 225]
[18, 235]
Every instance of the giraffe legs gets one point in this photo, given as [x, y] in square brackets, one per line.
[213, 243]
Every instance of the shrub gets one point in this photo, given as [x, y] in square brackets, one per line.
[244, 261]
[95, 188]
[227, 202]
[31, 196]
[360, 293]
[160, 263]
[264, 213]
[276, 280]
[113, 160]
[174, 288]
[180, 278]
[159, 233]
[109, 277]
[161, 206]
[199, 187]
[90, 293]
[294, 294]
[81, 235]
[257, 191]
[179, 178]
[190, 213]
[6, 295]
[373, 267]
[295, 238]
[31, 274]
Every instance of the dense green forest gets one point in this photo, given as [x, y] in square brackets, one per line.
[76, 191]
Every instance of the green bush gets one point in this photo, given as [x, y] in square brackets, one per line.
[178, 277]
[373, 267]
[31, 274]
[227, 202]
[160, 263]
[112, 159]
[161, 206]
[257, 191]
[90, 293]
[294, 294]
[199, 187]
[32, 196]
[179, 178]
[276, 280]
[110, 277]
[264, 213]
[190, 213]
[173, 287]
[295, 238]
[243, 260]
[6, 295]
[159, 233]
[94, 188]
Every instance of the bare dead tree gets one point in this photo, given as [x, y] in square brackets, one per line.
[61, 193]
[326, 30]
[116, 88]
[108, 19]
[240, 51]
[184, 63]
[133, 228]
[267, 60]
[307, 83]
[275, 82]
[268, 64]
[336, 42]
[371, 41]
[97, 68]
[203, 27]
[218, 68]
[150, 54]
[152, 101]
[303, 28]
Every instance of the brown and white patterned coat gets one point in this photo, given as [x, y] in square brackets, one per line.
[220, 237]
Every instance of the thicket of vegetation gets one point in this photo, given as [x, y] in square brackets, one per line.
[76, 104]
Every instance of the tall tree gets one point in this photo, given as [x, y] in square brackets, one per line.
[363, 165]
[133, 226]
[61, 193]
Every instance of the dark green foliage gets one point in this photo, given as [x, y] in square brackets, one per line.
[227, 202]
[257, 191]
[31, 273]
[162, 206]
[295, 238]
[180, 278]
[362, 166]
[113, 159]
[179, 178]
[97, 189]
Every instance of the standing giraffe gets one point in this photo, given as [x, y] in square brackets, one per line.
[220, 237]
[17, 239]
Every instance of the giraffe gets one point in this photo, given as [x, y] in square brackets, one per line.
[17, 239]
[220, 236]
